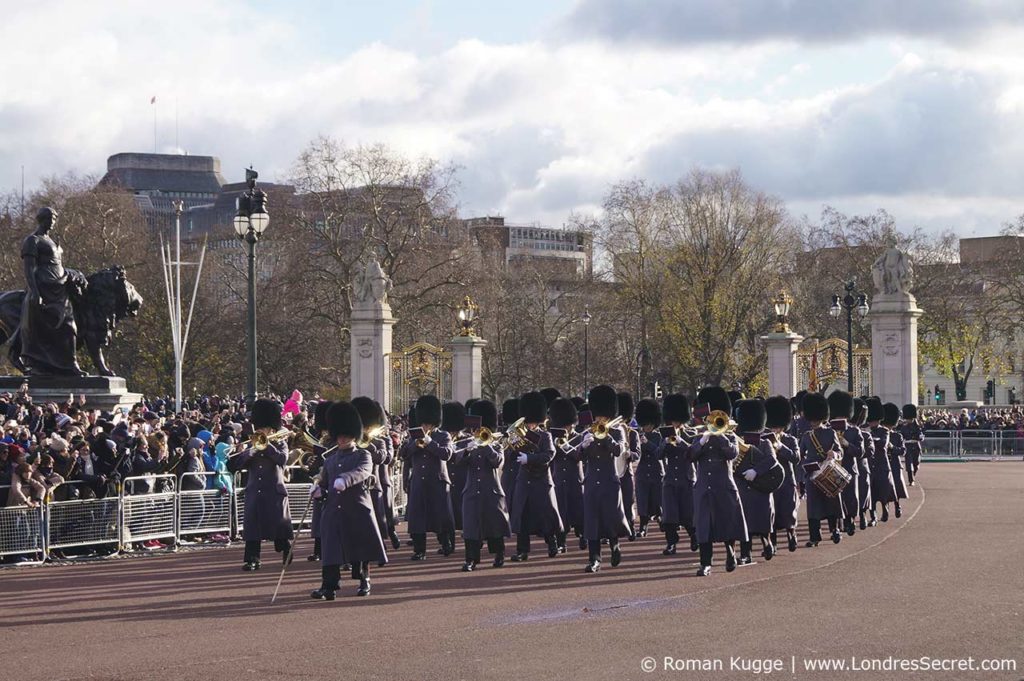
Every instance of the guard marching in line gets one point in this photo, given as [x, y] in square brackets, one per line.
[725, 471]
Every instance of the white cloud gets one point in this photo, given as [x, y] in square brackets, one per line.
[540, 128]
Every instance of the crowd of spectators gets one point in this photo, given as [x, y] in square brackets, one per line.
[1006, 419]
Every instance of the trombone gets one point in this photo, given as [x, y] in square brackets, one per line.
[718, 422]
[260, 440]
[370, 435]
[485, 436]
[601, 428]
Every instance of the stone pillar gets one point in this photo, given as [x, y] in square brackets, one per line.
[371, 345]
[467, 367]
[894, 347]
[782, 347]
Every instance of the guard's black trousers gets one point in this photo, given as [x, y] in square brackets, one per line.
[252, 548]
[814, 528]
[330, 575]
[495, 545]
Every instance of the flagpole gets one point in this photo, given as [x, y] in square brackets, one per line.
[153, 102]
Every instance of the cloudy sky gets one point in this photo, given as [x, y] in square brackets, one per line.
[915, 106]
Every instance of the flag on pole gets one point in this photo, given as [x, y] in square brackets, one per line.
[153, 100]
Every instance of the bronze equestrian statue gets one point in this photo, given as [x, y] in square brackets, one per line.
[62, 310]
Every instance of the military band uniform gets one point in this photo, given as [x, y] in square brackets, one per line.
[677, 485]
[534, 510]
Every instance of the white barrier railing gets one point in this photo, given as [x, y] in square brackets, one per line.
[21, 531]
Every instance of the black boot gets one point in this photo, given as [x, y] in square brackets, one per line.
[316, 551]
[552, 547]
[364, 587]
[583, 543]
[730, 558]
[693, 540]
[791, 540]
[899, 510]
[874, 521]
[849, 526]
[616, 554]
[863, 521]
[395, 543]
[885, 514]
[706, 553]
[768, 549]
[499, 559]
[745, 548]
[671, 539]
[322, 594]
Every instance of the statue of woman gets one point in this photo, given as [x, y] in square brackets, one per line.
[48, 333]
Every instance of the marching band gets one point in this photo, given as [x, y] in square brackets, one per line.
[724, 470]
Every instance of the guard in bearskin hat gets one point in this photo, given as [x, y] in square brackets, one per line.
[534, 509]
[717, 510]
[778, 416]
[267, 516]
[883, 490]
[484, 511]
[566, 470]
[817, 446]
[349, 531]
[841, 411]
[426, 453]
[604, 517]
[913, 437]
[677, 489]
[650, 471]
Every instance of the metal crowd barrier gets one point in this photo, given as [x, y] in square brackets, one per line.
[22, 530]
[145, 507]
[82, 522]
[203, 511]
[149, 508]
[972, 444]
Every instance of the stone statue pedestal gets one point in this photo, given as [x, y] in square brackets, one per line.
[101, 392]
[781, 347]
[371, 345]
[467, 367]
[894, 347]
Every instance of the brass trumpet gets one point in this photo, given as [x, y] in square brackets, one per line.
[370, 435]
[260, 440]
[602, 428]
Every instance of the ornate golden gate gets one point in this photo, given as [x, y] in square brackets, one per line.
[821, 365]
[420, 369]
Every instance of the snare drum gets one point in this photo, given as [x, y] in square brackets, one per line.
[831, 478]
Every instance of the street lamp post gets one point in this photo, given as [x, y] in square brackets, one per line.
[250, 223]
[586, 318]
[852, 300]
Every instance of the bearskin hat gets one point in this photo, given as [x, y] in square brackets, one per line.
[875, 410]
[370, 412]
[910, 412]
[320, 416]
[815, 407]
[860, 411]
[266, 413]
[891, 414]
[488, 413]
[510, 411]
[840, 405]
[677, 409]
[428, 410]
[716, 398]
[648, 413]
[343, 419]
[778, 412]
[626, 406]
[533, 407]
[751, 416]
[734, 397]
[414, 418]
[453, 417]
[561, 413]
[470, 402]
[798, 401]
[550, 395]
[577, 402]
[603, 401]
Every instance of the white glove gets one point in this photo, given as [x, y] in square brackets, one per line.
[426, 440]
[750, 474]
[521, 459]
[588, 440]
[315, 492]
[704, 438]
[339, 484]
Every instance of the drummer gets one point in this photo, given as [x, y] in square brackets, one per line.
[819, 444]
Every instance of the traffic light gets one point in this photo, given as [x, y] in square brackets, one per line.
[938, 393]
[990, 389]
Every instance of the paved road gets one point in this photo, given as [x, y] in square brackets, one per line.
[944, 581]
